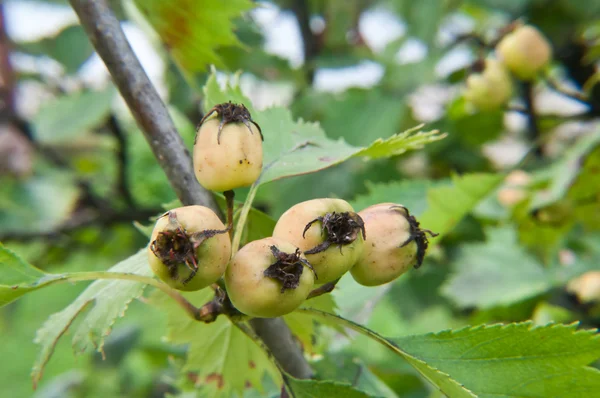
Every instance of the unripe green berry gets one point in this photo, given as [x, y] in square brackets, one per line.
[329, 233]
[268, 278]
[489, 89]
[228, 150]
[189, 248]
[525, 51]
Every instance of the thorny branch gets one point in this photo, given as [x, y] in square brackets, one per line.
[108, 38]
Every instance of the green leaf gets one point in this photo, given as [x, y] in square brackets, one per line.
[106, 300]
[320, 389]
[17, 277]
[71, 47]
[303, 325]
[409, 193]
[515, 360]
[68, 117]
[499, 272]
[223, 358]
[298, 147]
[37, 205]
[447, 205]
[562, 173]
[193, 30]
[450, 387]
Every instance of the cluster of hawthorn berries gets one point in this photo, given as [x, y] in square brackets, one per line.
[522, 51]
[314, 242]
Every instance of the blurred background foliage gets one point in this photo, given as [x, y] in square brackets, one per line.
[521, 237]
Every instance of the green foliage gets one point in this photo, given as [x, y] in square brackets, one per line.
[500, 272]
[446, 205]
[107, 301]
[513, 360]
[18, 277]
[193, 30]
[223, 359]
[505, 253]
[317, 389]
[70, 47]
[39, 204]
[64, 119]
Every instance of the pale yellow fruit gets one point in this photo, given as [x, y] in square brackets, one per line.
[257, 295]
[525, 51]
[234, 162]
[490, 89]
[383, 259]
[336, 260]
[211, 256]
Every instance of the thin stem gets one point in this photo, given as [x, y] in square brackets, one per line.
[532, 122]
[229, 197]
[323, 289]
[353, 326]
[239, 229]
[188, 307]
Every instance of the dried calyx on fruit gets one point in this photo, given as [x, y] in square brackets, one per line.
[189, 248]
[268, 278]
[287, 268]
[228, 150]
[327, 231]
[395, 242]
[417, 235]
[232, 113]
[338, 228]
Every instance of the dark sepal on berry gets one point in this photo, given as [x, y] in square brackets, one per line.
[340, 229]
[417, 234]
[231, 113]
[287, 268]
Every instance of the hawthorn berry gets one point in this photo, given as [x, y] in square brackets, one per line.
[328, 231]
[228, 149]
[189, 248]
[490, 87]
[268, 278]
[525, 51]
[394, 243]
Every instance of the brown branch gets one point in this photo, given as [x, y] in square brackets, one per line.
[533, 129]
[151, 114]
